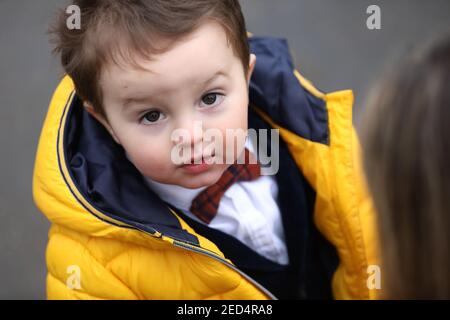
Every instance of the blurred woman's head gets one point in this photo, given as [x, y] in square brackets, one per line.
[406, 142]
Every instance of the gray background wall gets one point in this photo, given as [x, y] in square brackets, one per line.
[329, 39]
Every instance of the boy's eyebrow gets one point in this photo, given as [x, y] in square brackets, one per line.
[127, 101]
[219, 73]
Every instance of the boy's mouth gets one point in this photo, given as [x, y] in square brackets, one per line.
[198, 165]
[200, 160]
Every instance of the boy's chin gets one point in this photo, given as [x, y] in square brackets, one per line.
[201, 180]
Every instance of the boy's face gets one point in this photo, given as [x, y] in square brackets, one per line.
[199, 79]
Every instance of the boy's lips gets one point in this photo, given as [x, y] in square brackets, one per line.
[200, 160]
[197, 165]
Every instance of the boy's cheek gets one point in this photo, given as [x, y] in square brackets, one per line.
[154, 167]
[149, 158]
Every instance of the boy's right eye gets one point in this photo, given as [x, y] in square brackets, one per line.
[152, 117]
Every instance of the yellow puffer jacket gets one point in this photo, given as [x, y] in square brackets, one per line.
[101, 246]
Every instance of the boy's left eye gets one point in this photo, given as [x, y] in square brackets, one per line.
[211, 99]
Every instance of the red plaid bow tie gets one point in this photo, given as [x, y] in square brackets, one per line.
[206, 203]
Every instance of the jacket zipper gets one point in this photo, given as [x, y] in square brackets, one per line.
[220, 259]
[196, 249]
[193, 248]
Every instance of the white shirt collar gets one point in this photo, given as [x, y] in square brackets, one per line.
[177, 196]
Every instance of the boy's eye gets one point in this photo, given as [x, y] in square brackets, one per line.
[152, 116]
[211, 99]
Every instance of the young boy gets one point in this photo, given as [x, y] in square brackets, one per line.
[130, 223]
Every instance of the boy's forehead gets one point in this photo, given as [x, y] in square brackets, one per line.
[198, 56]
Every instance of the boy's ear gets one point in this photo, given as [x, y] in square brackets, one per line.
[100, 118]
[251, 67]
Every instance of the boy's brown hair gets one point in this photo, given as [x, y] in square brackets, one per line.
[406, 142]
[115, 31]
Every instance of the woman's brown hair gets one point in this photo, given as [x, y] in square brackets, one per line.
[119, 30]
[406, 143]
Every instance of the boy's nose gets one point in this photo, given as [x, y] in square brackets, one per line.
[192, 134]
